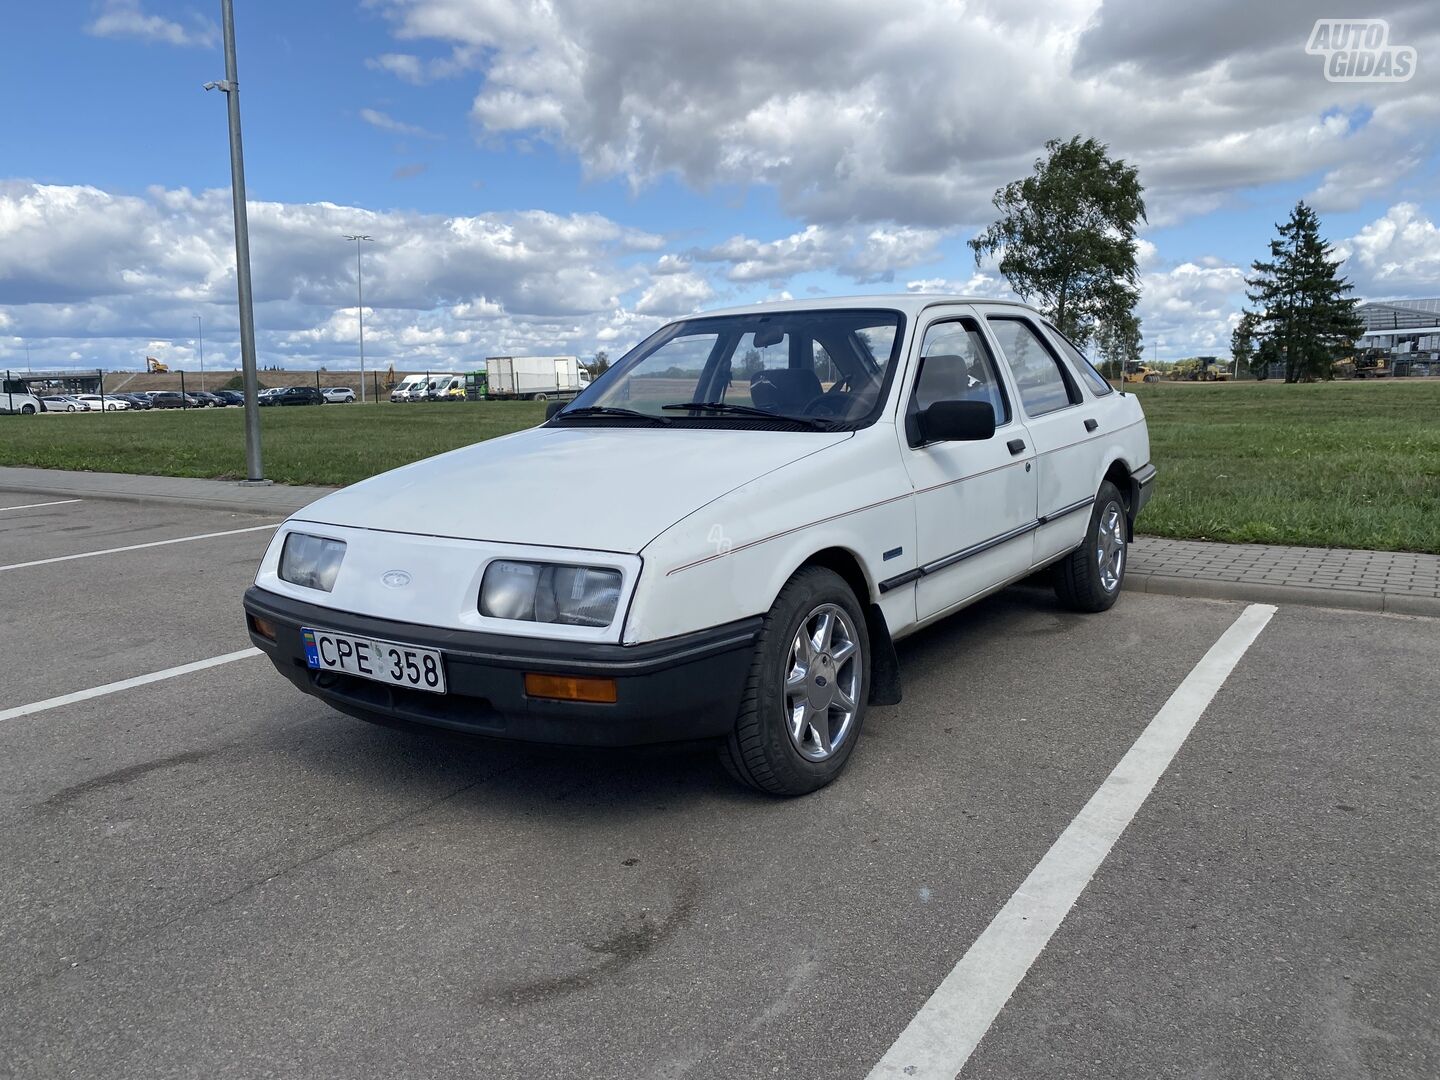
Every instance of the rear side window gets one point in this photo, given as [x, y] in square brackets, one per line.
[1081, 363]
[1044, 386]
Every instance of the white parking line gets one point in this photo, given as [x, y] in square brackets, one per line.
[126, 684]
[137, 547]
[33, 506]
[949, 1026]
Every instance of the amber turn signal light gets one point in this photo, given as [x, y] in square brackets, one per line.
[264, 627]
[569, 688]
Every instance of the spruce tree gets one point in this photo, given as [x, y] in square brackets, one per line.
[1304, 317]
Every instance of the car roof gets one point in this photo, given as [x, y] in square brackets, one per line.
[910, 304]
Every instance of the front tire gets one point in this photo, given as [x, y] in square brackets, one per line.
[1090, 577]
[804, 701]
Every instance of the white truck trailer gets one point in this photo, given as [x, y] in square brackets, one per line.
[535, 378]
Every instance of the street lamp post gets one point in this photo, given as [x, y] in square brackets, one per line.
[230, 86]
[360, 305]
[200, 341]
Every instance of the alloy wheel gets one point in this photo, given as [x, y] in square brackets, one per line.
[822, 682]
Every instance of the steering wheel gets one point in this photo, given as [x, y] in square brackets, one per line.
[830, 404]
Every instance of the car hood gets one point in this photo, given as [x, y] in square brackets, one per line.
[601, 488]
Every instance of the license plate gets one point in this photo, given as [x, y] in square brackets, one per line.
[384, 661]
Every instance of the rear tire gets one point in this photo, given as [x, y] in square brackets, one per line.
[1090, 578]
[27, 410]
[803, 706]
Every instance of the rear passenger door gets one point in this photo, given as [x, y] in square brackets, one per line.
[1050, 400]
[974, 501]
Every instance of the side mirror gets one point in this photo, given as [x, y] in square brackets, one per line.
[957, 421]
[551, 408]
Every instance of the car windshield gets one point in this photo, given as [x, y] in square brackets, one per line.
[825, 368]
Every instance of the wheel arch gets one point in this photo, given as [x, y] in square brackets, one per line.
[1119, 474]
[884, 663]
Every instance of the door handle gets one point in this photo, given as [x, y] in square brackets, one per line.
[1091, 425]
[1016, 445]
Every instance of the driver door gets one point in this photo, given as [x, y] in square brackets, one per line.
[975, 502]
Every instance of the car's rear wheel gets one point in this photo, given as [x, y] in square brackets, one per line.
[27, 410]
[1090, 577]
[804, 699]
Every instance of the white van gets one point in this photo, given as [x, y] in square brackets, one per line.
[405, 391]
[15, 397]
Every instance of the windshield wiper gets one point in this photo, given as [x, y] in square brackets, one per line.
[750, 410]
[607, 410]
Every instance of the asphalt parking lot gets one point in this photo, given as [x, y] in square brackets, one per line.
[210, 875]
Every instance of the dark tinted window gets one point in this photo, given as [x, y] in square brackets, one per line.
[1044, 387]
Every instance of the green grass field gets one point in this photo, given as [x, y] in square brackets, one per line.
[1340, 464]
[1344, 464]
[331, 444]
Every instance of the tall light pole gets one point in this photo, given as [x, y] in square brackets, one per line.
[200, 339]
[360, 306]
[231, 88]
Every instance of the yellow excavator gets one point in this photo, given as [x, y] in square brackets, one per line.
[156, 367]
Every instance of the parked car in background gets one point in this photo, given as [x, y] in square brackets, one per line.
[740, 517]
[166, 399]
[230, 397]
[63, 403]
[137, 401]
[95, 403]
[338, 394]
[207, 400]
[298, 395]
[267, 396]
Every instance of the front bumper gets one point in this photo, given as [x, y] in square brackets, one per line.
[676, 690]
[1144, 487]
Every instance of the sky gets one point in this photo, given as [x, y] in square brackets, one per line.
[564, 176]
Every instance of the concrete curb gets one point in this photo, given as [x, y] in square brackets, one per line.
[1267, 593]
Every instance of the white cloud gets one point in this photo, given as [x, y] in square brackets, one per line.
[125, 18]
[377, 119]
[118, 271]
[873, 115]
[674, 294]
[417, 72]
[1394, 254]
[866, 255]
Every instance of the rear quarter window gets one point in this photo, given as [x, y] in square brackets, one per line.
[1081, 364]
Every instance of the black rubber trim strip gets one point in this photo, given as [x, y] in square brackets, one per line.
[1066, 511]
[1144, 475]
[958, 556]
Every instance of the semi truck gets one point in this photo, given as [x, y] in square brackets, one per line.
[534, 378]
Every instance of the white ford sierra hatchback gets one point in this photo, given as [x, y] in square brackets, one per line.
[721, 538]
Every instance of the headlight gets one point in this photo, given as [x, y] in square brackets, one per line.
[548, 593]
[311, 561]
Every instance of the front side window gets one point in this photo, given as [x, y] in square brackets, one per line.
[1044, 387]
[819, 369]
[956, 365]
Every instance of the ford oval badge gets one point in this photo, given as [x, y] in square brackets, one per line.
[396, 579]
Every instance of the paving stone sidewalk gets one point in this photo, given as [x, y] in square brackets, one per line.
[1402, 582]
[1329, 577]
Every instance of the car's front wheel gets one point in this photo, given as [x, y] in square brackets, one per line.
[1089, 578]
[804, 700]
